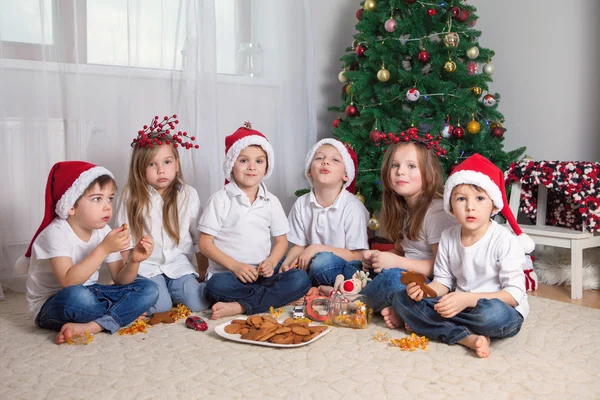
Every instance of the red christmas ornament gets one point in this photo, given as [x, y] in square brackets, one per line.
[336, 122]
[375, 136]
[464, 15]
[431, 12]
[410, 1]
[455, 12]
[498, 132]
[424, 56]
[360, 50]
[458, 132]
[359, 13]
[351, 110]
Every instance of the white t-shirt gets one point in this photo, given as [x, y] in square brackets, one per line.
[494, 263]
[343, 224]
[240, 229]
[167, 257]
[435, 222]
[59, 240]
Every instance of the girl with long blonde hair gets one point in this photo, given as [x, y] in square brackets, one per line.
[156, 201]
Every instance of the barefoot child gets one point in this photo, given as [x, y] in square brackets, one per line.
[68, 249]
[236, 230]
[412, 217]
[157, 201]
[478, 273]
[329, 224]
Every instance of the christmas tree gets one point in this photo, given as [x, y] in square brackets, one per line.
[414, 69]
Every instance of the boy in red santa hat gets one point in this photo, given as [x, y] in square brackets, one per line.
[478, 272]
[68, 249]
[236, 229]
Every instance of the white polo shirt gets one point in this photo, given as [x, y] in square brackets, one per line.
[167, 257]
[343, 224]
[59, 240]
[240, 229]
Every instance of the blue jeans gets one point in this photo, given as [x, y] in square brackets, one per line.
[110, 306]
[277, 290]
[382, 288]
[326, 266]
[492, 318]
[185, 290]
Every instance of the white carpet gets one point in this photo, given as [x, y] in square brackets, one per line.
[555, 356]
[553, 266]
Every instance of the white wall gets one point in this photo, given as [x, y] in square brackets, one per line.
[547, 67]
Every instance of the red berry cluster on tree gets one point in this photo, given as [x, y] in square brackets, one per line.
[159, 132]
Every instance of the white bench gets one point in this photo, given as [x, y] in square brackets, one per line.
[565, 238]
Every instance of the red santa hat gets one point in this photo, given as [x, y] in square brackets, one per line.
[348, 155]
[478, 170]
[236, 142]
[66, 183]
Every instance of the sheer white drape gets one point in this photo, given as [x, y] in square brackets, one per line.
[56, 106]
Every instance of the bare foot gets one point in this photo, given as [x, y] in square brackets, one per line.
[481, 345]
[392, 320]
[221, 310]
[70, 329]
[325, 290]
[407, 327]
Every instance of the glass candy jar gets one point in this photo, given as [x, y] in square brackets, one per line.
[350, 310]
[250, 60]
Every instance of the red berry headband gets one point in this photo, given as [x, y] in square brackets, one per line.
[411, 134]
[157, 133]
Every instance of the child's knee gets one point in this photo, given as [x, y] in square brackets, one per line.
[78, 294]
[146, 287]
[300, 279]
[322, 260]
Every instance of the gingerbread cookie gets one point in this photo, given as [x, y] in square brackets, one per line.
[164, 317]
[419, 279]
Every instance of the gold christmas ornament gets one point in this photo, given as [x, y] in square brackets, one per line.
[451, 40]
[473, 127]
[473, 52]
[347, 88]
[370, 5]
[495, 125]
[360, 197]
[477, 90]
[373, 224]
[450, 66]
[383, 75]
[342, 77]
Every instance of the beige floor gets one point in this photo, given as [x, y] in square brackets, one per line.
[555, 356]
[591, 298]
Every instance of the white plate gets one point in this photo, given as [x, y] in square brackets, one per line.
[220, 330]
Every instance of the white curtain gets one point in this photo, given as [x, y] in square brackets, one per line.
[101, 69]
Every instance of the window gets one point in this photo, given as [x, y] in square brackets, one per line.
[134, 33]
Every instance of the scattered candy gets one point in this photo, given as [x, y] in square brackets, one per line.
[82, 338]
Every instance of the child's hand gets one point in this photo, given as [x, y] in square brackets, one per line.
[286, 267]
[143, 249]
[366, 260]
[116, 240]
[266, 268]
[414, 291]
[381, 260]
[452, 303]
[246, 273]
[307, 255]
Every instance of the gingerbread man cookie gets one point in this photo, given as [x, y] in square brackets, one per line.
[419, 279]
